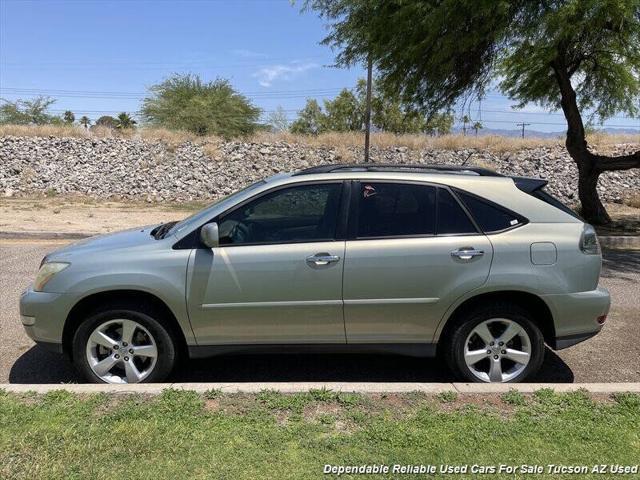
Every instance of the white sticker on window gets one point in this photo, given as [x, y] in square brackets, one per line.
[368, 191]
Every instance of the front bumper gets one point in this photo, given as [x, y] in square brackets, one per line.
[43, 315]
[576, 315]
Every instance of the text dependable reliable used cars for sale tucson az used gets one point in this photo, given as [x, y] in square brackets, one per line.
[478, 268]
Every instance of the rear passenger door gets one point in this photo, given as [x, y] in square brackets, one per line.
[412, 250]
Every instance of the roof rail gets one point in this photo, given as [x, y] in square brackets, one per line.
[399, 167]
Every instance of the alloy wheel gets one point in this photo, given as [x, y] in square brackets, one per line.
[121, 351]
[497, 350]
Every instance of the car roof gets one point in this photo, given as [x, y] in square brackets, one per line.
[399, 167]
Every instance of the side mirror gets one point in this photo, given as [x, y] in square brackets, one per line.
[209, 235]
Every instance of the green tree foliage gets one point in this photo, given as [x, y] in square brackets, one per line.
[388, 113]
[68, 117]
[27, 112]
[476, 127]
[106, 121]
[574, 55]
[344, 113]
[439, 123]
[124, 121]
[85, 121]
[311, 119]
[185, 102]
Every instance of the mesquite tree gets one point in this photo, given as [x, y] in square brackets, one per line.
[581, 56]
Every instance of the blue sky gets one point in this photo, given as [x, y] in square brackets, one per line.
[99, 57]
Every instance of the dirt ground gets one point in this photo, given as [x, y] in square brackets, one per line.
[72, 215]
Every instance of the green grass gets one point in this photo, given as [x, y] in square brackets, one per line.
[181, 434]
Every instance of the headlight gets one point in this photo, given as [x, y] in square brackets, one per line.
[589, 241]
[46, 273]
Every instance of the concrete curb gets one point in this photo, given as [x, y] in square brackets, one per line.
[45, 235]
[297, 387]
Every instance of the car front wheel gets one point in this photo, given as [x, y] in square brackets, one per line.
[123, 346]
[497, 344]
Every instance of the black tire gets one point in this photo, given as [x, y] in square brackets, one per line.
[454, 343]
[166, 345]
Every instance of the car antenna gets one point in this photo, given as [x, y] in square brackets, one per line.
[467, 159]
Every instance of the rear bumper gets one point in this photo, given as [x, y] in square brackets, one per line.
[576, 315]
[571, 340]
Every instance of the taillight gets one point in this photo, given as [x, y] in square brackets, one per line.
[589, 241]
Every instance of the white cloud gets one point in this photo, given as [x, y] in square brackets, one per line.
[267, 75]
[242, 52]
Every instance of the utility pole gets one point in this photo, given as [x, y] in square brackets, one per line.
[522, 125]
[367, 113]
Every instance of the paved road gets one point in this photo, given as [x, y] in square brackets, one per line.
[612, 356]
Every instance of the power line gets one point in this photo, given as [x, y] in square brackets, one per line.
[205, 62]
[138, 66]
[259, 94]
[276, 94]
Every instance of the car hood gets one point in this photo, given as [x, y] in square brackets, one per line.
[135, 237]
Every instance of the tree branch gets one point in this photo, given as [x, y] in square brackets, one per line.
[622, 162]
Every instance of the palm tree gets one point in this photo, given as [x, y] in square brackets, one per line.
[465, 120]
[477, 126]
[124, 121]
[85, 122]
[69, 117]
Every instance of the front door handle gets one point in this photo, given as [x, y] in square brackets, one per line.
[322, 259]
[467, 253]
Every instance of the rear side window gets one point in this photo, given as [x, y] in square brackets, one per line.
[395, 209]
[490, 217]
[452, 219]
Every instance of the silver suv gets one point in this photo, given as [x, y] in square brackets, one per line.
[479, 268]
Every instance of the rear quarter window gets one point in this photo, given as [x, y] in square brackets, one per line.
[490, 217]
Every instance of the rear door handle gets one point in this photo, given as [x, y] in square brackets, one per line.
[322, 259]
[467, 253]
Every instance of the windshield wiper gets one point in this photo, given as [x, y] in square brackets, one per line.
[160, 231]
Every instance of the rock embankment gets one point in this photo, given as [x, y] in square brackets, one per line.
[118, 168]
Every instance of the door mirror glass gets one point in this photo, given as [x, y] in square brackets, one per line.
[209, 235]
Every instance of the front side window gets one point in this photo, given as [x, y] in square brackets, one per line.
[305, 213]
[395, 209]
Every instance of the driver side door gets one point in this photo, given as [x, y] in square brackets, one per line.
[276, 277]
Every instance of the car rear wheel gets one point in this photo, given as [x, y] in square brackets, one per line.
[497, 344]
[123, 346]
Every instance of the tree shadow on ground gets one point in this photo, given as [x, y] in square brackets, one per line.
[620, 264]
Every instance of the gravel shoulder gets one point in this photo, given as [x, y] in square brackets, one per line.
[611, 356]
[79, 215]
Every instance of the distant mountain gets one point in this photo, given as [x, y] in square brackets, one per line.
[537, 134]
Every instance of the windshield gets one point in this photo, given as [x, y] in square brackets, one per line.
[204, 212]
